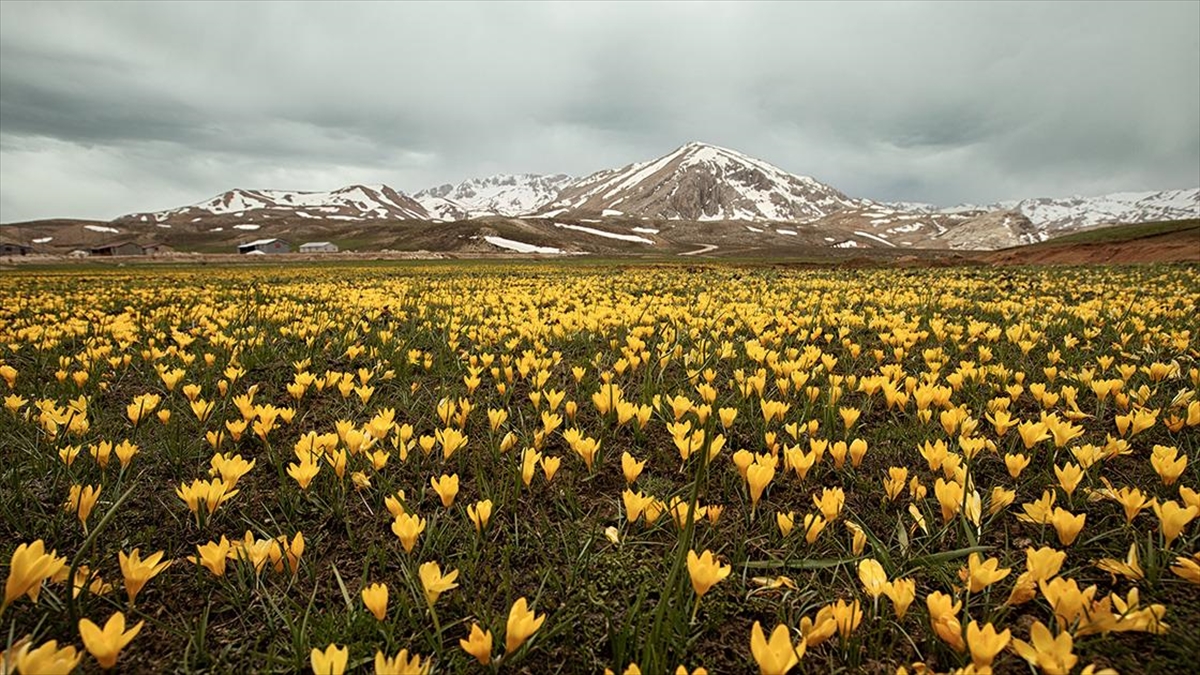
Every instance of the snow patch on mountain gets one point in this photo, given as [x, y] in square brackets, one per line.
[881, 240]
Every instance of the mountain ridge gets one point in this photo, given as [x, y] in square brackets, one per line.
[498, 194]
[355, 202]
[697, 194]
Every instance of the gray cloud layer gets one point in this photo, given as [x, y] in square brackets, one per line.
[112, 108]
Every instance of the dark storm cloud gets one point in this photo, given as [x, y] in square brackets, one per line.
[107, 109]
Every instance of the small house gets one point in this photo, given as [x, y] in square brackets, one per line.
[119, 248]
[9, 247]
[262, 246]
[318, 247]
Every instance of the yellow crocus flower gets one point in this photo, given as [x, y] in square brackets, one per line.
[106, 644]
[522, 623]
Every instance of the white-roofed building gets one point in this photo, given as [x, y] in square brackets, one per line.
[265, 246]
[319, 247]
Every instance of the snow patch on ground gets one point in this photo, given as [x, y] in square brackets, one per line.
[102, 228]
[602, 233]
[43, 240]
[246, 227]
[519, 247]
[872, 237]
[645, 230]
[755, 229]
[612, 212]
[904, 229]
[791, 233]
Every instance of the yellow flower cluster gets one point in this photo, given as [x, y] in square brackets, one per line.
[969, 455]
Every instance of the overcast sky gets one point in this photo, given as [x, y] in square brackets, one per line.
[107, 109]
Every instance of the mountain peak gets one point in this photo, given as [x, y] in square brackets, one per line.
[693, 146]
[701, 181]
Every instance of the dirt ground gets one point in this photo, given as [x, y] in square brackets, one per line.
[1172, 247]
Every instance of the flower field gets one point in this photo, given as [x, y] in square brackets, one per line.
[530, 468]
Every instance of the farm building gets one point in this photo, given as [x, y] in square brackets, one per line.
[260, 246]
[9, 247]
[319, 247]
[119, 248]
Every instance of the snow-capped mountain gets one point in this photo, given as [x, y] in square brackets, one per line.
[1054, 215]
[703, 183]
[1029, 221]
[351, 203]
[698, 195]
[502, 194]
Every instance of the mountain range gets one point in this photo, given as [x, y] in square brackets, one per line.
[499, 195]
[697, 196]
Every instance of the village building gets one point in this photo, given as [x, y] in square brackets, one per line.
[318, 247]
[10, 247]
[119, 248]
[261, 246]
